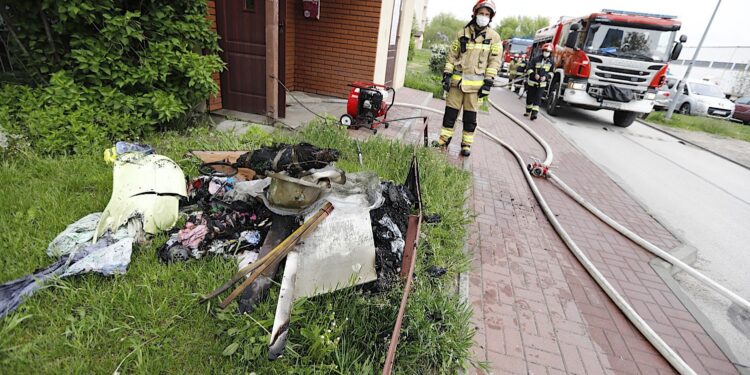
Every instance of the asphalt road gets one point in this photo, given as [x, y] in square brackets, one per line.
[702, 199]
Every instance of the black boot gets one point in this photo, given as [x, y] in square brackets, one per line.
[533, 115]
[467, 138]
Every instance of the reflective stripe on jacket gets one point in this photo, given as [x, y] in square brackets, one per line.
[541, 66]
[481, 59]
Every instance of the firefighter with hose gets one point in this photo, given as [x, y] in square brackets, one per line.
[516, 70]
[538, 73]
[470, 69]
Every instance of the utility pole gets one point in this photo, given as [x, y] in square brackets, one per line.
[681, 84]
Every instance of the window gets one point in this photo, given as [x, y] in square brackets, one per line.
[721, 65]
[629, 42]
[740, 66]
[702, 63]
[745, 100]
[564, 35]
[250, 5]
[703, 89]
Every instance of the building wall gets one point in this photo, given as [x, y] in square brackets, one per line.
[339, 48]
[721, 65]
[290, 43]
[214, 102]
[384, 32]
[324, 56]
[402, 50]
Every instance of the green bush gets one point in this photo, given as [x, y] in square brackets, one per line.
[425, 82]
[437, 60]
[63, 117]
[106, 70]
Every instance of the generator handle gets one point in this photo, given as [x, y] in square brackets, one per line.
[393, 97]
[368, 85]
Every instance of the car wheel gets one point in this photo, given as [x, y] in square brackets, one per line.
[685, 109]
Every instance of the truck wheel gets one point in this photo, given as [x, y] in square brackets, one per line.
[624, 118]
[553, 97]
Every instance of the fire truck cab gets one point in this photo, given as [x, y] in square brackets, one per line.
[512, 48]
[612, 60]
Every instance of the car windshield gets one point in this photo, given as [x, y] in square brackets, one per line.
[703, 89]
[518, 48]
[629, 42]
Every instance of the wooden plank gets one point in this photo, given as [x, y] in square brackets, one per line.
[412, 240]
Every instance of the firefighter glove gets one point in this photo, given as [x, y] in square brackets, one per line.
[485, 90]
[446, 81]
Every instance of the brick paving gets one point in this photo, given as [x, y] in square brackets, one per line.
[536, 310]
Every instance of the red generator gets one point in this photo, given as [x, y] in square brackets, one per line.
[368, 106]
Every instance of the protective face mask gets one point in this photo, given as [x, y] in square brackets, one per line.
[545, 54]
[483, 21]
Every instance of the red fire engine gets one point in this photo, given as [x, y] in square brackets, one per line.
[512, 48]
[610, 60]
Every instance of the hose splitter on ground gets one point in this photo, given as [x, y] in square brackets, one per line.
[537, 169]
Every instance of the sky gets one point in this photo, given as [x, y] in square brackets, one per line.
[730, 27]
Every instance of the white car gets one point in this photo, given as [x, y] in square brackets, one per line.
[665, 94]
[704, 99]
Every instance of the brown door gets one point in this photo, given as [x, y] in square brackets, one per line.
[242, 27]
[390, 66]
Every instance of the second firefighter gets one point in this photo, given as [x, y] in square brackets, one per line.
[538, 72]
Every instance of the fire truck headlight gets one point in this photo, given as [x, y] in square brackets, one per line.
[650, 96]
[578, 86]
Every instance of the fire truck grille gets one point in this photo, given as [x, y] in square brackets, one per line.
[609, 73]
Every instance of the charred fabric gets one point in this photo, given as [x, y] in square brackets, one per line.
[287, 204]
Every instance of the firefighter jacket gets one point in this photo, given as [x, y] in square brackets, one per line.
[521, 67]
[542, 66]
[473, 57]
[512, 66]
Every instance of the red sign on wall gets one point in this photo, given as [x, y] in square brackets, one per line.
[311, 8]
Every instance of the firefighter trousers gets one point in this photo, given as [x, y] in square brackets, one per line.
[456, 100]
[533, 99]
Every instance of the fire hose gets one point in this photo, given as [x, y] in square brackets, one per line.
[542, 170]
[668, 353]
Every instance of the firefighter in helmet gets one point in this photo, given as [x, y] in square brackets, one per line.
[513, 72]
[520, 73]
[539, 74]
[470, 69]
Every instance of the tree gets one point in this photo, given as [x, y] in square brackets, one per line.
[442, 29]
[520, 26]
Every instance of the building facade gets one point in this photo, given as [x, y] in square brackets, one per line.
[312, 46]
[726, 66]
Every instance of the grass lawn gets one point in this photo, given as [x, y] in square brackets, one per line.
[419, 76]
[703, 124]
[148, 321]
